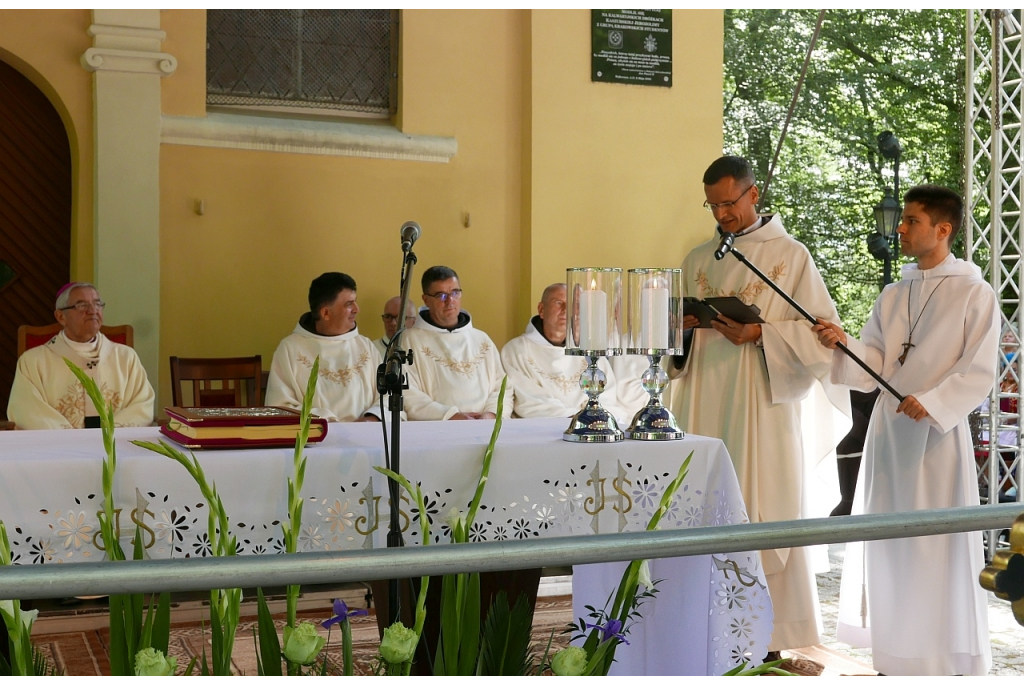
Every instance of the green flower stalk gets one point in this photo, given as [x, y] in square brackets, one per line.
[18, 622]
[485, 470]
[292, 527]
[134, 626]
[224, 603]
[421, 601]
[110, 541]
[149, 662]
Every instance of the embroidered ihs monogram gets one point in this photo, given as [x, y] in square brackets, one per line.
[342, 375]
[749, 292]
[465, 368]
[563, 383]
[72, 405]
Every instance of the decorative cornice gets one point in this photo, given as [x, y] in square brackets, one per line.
[135, 61]
[343, 139]
[126, 32]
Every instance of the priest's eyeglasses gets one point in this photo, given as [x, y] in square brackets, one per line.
[84, 307]
[444, 297]
[712, 206]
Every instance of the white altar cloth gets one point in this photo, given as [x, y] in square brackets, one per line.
[705, 617]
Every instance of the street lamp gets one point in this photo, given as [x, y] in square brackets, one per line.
[888, 212]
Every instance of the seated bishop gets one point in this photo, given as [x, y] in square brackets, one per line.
[45, 393]
[547, 380]
[347, 387]
[391, 321]
[456, 371]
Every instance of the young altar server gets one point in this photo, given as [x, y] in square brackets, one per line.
[347, 387]
[456, 371]
[933, 336]
[45, 393]
[547, 380]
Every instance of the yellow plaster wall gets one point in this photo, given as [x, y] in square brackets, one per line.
[45, 46]
[234, 280]
[552, 171]
[616, 169]
[184, 93]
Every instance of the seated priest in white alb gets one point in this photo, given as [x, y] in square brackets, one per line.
[547, 380]
[629, 391]
[391, 321]
[45, 393]
[347, 387]
[456, 371]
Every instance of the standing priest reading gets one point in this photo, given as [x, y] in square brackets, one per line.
[745, 383]
[347, 387]
[934, 337]
[47, 395]
[456, 371]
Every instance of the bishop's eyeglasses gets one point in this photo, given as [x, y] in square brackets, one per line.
[84, 307]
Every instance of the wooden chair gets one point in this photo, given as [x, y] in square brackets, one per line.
[232, 373]
[34, 336]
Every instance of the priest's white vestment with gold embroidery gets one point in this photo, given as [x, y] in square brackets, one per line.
[347, 387]
[773, 406]
[916, 602]
[452, 371]
[46, 395]
[547, 380]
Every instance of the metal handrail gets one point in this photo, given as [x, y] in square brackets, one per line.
[315, 568]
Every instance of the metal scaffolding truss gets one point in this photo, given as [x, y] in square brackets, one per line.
[993, 230]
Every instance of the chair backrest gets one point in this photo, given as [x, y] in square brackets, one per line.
[229, 373]
[34, 336]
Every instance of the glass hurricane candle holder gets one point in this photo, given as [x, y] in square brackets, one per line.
[594, 330]
[655, 330]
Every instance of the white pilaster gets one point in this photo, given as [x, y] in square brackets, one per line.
[127, 66]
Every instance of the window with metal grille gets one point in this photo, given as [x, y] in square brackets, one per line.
[303, 59]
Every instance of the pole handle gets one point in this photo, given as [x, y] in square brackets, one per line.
[810, 317]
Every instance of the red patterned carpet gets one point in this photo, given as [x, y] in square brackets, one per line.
[84, 652]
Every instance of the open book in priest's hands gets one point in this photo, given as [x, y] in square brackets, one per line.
[708, 309]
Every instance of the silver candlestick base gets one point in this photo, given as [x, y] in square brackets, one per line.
[593, 423]
[655, 421]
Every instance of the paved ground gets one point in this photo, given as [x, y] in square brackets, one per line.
[1006, 635]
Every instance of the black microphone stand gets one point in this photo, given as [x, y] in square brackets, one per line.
[391, 381]
[807, 315]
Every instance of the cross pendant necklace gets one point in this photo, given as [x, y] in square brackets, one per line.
[910, 336]
[906, 348]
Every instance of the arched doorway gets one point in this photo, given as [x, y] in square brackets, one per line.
[35, 213]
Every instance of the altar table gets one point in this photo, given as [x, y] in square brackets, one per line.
[709, 613]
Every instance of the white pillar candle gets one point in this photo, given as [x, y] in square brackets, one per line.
[593, 320]
[654, 318]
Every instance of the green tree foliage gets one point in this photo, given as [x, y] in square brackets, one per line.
[872, 70]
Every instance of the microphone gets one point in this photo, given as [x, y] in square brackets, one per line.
[410, 234]
[725, 246]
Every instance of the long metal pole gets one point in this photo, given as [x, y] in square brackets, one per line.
[810, 317]
[182, 575]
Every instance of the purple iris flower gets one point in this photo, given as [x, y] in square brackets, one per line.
[612, 628]
[342, 613]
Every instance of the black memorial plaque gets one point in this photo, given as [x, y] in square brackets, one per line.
[632, 46]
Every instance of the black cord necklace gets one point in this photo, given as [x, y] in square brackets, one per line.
[910, 336]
